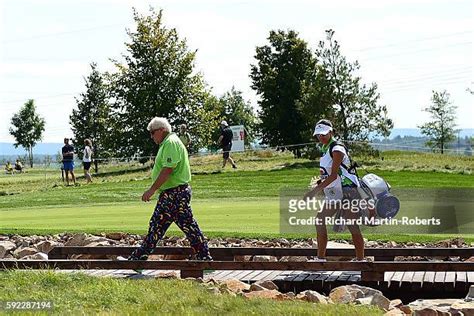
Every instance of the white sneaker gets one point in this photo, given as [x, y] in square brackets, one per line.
[317, 259]
[120, 258]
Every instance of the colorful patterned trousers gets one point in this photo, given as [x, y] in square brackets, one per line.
[173, 206]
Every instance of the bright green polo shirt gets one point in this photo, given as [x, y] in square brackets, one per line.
[172, 154]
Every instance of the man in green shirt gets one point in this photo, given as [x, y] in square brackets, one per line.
[171, 175]
[184, 136]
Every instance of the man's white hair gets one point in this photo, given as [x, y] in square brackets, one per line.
[159, 122]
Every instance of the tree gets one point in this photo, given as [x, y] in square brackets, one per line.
[441, 129]
[157, 78]
[356, 111]
[28, 128]
[236, 111]
[278, 79]
[91, 119]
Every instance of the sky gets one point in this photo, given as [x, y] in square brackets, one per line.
[408, 47]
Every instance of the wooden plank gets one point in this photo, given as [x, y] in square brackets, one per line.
[396, 280]
[244, 274]
[57, 252]
[355, 278]
[470, 277]
[251, 276]
[283, 275]
[440, 276]
[272, 275]
[429, 277]
[439, 280]
[322, 276]
[417, 281]
[408, 276]
[293, 276]
[235, 265]
[388, 276]
[450, 281]
[343, 277]
[216, 275]
[237, 274]
[333, 277]
[301, 277]
[461, 284]
[262, 275]
[461, 277]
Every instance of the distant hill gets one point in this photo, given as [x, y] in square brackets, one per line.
[415, 132]
[7, 149]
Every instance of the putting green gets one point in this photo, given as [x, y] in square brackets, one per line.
[224, 215]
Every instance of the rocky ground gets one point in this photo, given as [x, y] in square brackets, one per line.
[347, 294]
[37, 248]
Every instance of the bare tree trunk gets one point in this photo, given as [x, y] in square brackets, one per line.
[30, 155]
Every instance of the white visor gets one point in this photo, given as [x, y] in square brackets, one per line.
[321, 129]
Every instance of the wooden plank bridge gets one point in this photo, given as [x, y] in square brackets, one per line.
[383, 272]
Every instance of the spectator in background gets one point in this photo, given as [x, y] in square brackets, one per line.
[18, 166]
[8, 168]
[87, 159]
[184, 136]
[68, 160]
[225, 140]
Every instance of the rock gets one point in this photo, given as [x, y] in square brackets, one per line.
[394, 312]
[406, 309]
[243, 258]
[46, 246]
[293, 259]
[371, 244]
[395, 303]
[462, 308]
[22, 252]
[441, 306]
[94, 241]
[430, 312]
[115, 235]
[354, 293]
[98, 244]
[269, 294]
[269, 285]
[236, 286]
[36, 256]
[76, 240]
[175, 257]
[376, 300]
[5, 247]
[167, 275]
[312, 296]
[345, 294]
[264, 258]
[470, 294]
[256, 287]
[214, 290]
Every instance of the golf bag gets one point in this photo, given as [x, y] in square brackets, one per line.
[371, 186]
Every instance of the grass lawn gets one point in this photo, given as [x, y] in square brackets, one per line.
[80, 294]
[226, 203]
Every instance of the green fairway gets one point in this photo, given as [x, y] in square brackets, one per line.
[228, 215]
[226, 202]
